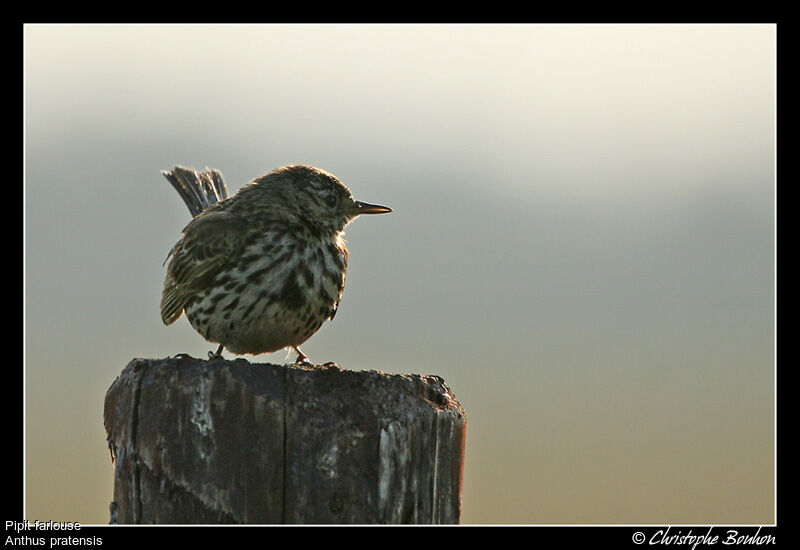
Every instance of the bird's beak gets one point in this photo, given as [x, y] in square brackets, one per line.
[365, 208]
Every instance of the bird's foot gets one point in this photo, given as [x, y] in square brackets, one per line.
[216, 354]
[302, 359]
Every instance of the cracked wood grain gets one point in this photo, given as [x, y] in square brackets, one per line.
[197, 441]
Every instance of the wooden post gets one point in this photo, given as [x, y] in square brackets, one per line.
[218, 441]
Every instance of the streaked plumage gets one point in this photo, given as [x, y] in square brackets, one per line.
[263, 269]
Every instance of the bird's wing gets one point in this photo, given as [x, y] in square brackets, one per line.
[210, 241]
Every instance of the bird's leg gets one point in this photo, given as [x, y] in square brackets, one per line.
[302, 358]
[217, 354]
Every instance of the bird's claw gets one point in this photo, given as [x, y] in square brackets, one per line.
[302, 359]
[216, 354]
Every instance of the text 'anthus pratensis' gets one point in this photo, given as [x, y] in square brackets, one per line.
[263, 269]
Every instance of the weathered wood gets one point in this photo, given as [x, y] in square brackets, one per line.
[218, 441]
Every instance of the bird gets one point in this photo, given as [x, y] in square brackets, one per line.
[263, 269]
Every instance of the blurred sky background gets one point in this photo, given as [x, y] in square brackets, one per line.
[582, 242]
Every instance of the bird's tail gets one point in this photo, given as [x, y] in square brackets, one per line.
[199, 190]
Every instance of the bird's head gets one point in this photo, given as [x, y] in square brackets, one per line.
[310, 196]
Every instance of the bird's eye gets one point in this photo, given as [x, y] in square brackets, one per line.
[330, 200]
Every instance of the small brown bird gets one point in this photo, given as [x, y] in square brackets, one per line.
[263, 269]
